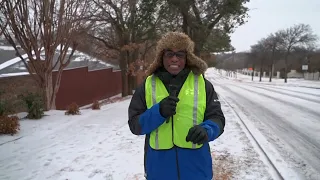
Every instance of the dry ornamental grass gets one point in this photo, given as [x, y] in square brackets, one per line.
[96, 105]
[73, 109]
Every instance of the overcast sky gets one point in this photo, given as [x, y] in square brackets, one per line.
[268, 16]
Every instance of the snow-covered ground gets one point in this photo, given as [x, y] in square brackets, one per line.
[291, 82]
[99, 145]
[266, 127]
[287, 115]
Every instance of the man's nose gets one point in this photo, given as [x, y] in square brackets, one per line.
[174, 59]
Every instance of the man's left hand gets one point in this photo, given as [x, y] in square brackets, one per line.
[197, 135]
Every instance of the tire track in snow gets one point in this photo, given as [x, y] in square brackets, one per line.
[307, 110]
[305, 146]
[287, 94]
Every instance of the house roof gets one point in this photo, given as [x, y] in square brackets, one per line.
[6, 51]
[9, 63]
[6, 55]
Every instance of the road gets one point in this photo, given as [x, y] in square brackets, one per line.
[288, 117]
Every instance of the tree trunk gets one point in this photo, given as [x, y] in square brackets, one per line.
[199, 40]
[49, 102]
[197, 50]
[197, 36]
[271, 71]
[56, 87]
[285, 68]
[48, 89]
[261, 65]
[124, 78]
[130, 86]
[124, 74]
[130, 59]
[272, 65]
[260, 74]
[285, 73]
[252, 75]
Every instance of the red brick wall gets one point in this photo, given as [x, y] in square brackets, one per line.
[77, 85]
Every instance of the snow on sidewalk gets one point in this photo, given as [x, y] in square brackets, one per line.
[98, 145]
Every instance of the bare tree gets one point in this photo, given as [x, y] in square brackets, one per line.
[3, 22]
[129, 24]
[296, 36]
[301, 56]
[273, 42]
[45, 28]
[252, 61]
[260, 51]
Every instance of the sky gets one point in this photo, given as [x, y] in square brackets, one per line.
[269, 16]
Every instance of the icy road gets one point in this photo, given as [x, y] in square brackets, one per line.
[288, 117]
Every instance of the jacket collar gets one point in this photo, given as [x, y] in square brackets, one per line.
[167, 78]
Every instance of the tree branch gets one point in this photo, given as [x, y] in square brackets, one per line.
[105, 42]
[196, 12]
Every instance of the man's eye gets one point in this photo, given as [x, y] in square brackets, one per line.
[180, 54]
[169, 54]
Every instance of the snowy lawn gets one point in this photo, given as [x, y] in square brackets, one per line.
[98, 145]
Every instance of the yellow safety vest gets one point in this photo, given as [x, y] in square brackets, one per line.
[189, 112]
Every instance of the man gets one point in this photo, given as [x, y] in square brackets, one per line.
[178, 111]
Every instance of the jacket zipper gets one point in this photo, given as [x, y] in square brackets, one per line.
[176, 150]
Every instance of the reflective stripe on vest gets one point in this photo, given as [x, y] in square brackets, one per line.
[190, 111]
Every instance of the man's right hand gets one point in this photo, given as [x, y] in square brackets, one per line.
[168, 106]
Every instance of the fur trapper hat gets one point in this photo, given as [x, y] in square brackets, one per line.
[180, 41]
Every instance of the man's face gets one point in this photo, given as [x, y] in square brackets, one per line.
[174, 60]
